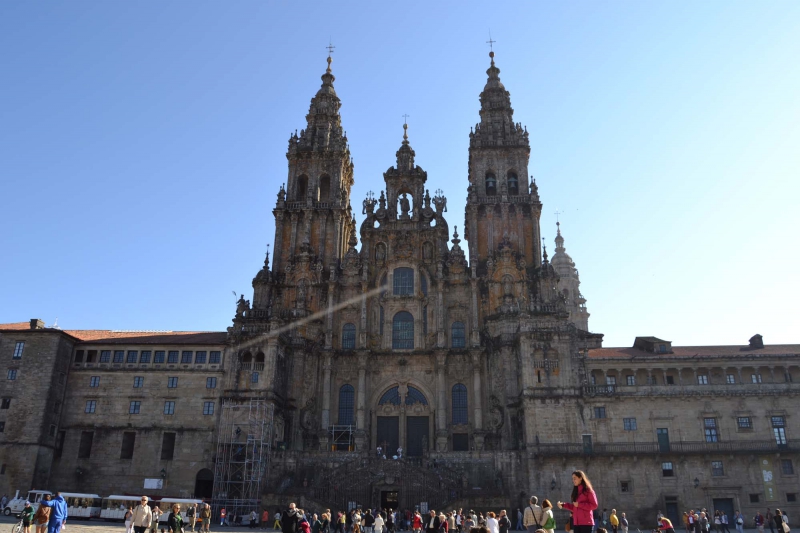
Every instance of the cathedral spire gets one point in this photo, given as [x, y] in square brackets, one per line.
[405, 155]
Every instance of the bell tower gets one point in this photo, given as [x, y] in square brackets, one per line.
[501, 206]
[313, 210]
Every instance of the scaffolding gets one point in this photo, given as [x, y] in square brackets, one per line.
[244, 447]
[341, 438]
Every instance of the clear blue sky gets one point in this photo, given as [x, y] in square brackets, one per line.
[143, 143]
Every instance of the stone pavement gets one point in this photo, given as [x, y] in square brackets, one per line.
[101, 526]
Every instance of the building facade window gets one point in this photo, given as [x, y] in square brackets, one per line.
[12, 374]
[208, 408]
[215, 358]
[651, 380]
[200, 358]
[755, 378]
[186, 357]
[779, 430]
[630, 379]
[119, 356]
[629, 424]
[2, 426]
[460, 404]
[105, 356]
[159, 357]
[391, 397]
[791, 497]
[403, 331]
[134, 407]
[414, 395]
[254, 377]
[211, 383]
[458, 337]
[730, 379]
[744, 422]
[128, 442]
[710, 429]
[755, 498]
[349, 337]
[85, 447]
[169, 408]
[5, 403]
[168, 446]
[702, 379]
[717, 469]
[138, 382]
[19, 347]
[346, 396]
[172, 356]
[666, 469]
[513, 184]
[94, 381]
[91, 406]
[625, 486]
[599, 412]
[145, 357]
[403, 281]
[133, 356]
[172, 383]
[787, 468]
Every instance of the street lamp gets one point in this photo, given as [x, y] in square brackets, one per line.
[553, 484]
[163, 474]
[696, 482]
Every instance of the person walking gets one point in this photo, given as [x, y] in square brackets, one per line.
[759, 522]
[289, 519]
[519, 520]
[738, 521]
[432, 522]
[781, 524]
[416, 522]
[128, 519]
[724, 519]
[532, 520]
[156, 518]
[491, 523]
[42, 516]
[58, 513]
[27, 517]
[504, 523]
[623, 523]
[770, 521]
[378, 523]
[222, 514]
[141, 516]
[191, 515]
[665, 525]
[175, 519]
[548, 520]
[584, 501]
[205, 518]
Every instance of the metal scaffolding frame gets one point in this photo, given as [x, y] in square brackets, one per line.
[341, 438]
[244, 447]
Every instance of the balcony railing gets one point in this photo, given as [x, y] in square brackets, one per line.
[684, 447]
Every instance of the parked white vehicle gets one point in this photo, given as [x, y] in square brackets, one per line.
[81, 505]
[114, 507]
[167, 503]
[17, 504]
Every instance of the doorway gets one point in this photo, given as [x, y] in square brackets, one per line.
[389, 434]
[204, 484]
[663, 439]
[671, 508]
[416, 435]
[389, 499]
[726, 506]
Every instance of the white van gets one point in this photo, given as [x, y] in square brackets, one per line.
[17, 504]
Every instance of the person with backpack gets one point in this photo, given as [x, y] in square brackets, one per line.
[548, 520]
[533, 515]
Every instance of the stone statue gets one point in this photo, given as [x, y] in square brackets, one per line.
[380, 253]
[242, 307]
[405, 206]
[282, 194]
[427, 252]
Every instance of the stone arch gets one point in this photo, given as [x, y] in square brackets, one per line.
[324, 188]
[301, 188]
[204, 484]
[490, 183]
[259, 357]
[246, 357]
[512, 181]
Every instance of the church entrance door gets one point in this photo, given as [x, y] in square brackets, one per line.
[389, 499]
[416, 435]
[389, 434]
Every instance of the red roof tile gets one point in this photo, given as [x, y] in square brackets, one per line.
[105, 336]
[16, 325]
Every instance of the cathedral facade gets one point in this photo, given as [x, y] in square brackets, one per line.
[415, 370]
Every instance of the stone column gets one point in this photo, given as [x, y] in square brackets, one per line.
[323, 223]
[293, 237]
[441, 328]
[326, 392]
[337, 230]
[277, 252]
[307, 215]
[476, 336]
[477, 416]
[362, 330]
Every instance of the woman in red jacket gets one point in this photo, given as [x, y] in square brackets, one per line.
[584, 501]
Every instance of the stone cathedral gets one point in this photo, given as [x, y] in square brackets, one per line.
[414, 341]
[394, 364]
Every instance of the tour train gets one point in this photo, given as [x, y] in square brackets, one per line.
[88, 506]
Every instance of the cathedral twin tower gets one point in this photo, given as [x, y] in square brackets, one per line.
[410, 326]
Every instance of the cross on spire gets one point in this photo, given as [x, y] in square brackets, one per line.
[490, 42]
[330, 48]
[405, 118]
[558, 213]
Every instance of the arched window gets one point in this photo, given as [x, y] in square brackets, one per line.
[247, 357]
[513, 184]
[391, 396]
[403, 331]
[491, 184]
[302, 189]
[349, 337]
[346, 395]
[403, 281]
[459, 410]
[415, 396]
[457, 337]
[324, 189]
